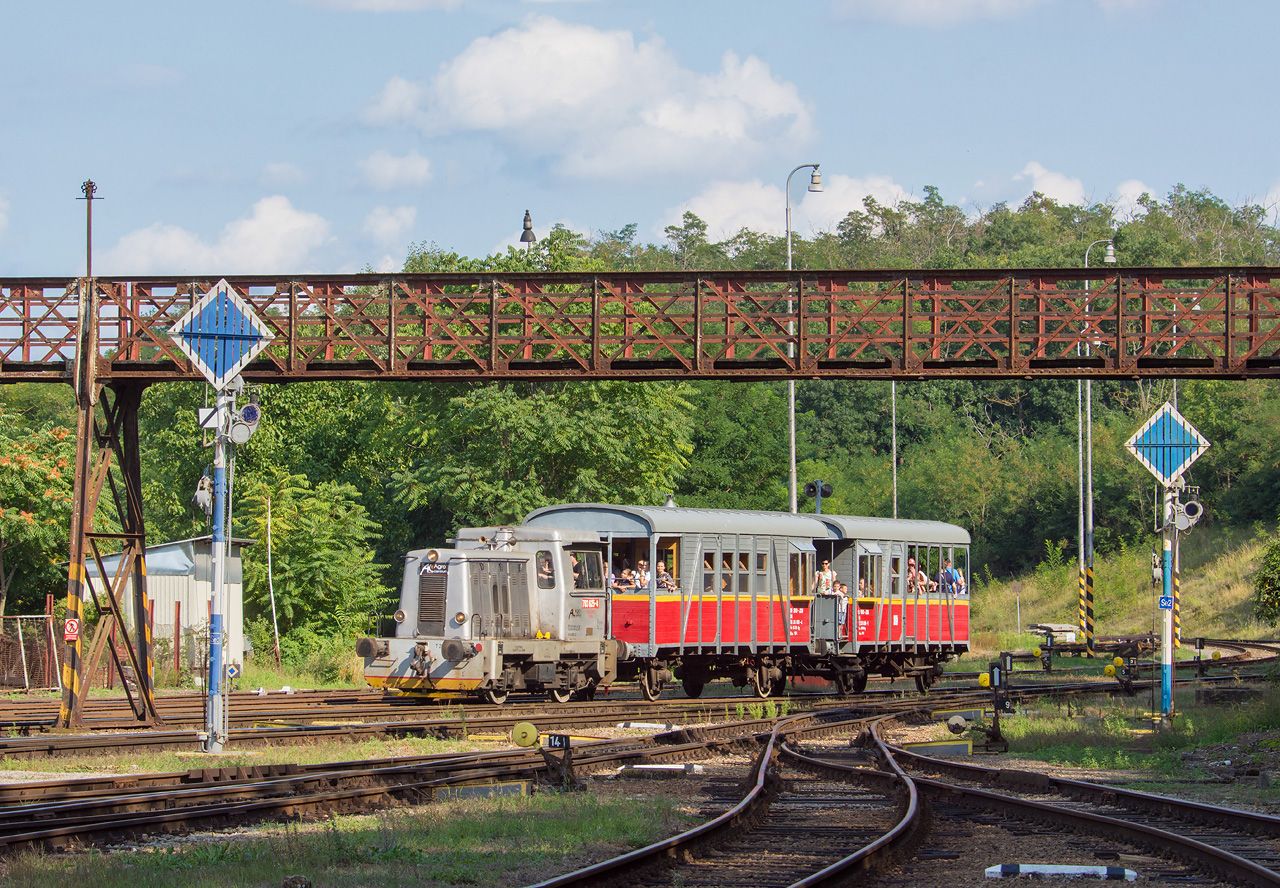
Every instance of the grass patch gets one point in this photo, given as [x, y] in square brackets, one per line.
[486, 842]
[1123, 737]
[302, 754]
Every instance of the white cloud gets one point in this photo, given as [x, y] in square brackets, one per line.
[604, 102]
[934, 13]
[389, 224]
[1126, 198]
[386, 5]
[283, 174]
[386, 171]
[1059, 186]
[400, 102]
[728, 207]
[274, 237]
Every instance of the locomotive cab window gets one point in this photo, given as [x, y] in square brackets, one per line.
[588, 571]
[546, 570]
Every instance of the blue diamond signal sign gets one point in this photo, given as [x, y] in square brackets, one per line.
[221, 334]
[1167, 445]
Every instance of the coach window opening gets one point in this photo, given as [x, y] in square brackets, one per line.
[669, 554]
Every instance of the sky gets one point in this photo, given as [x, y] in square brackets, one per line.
[327, 136]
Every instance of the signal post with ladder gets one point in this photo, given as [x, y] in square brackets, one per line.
[1167, 445]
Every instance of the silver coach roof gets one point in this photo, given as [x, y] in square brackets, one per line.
[604, 518]
[855, 527]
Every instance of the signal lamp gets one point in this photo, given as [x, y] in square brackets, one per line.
[1118, 661]
[1036, 652]
[1109, 671]
[984, 680]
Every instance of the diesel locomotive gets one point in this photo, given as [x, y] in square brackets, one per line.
[540, 607]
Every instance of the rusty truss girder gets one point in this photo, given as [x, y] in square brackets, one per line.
[903, 324]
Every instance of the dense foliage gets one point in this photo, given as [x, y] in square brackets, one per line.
[359, 472]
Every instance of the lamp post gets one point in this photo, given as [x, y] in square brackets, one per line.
[815, 185]
[1084, 463]
[527, 237]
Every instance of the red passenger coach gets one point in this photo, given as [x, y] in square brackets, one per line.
[696, 594]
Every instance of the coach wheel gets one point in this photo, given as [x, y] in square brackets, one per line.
[860, 681]
[780, 685]
[650, 688]
[589, 692]
[693, 686]
[923, 681]
[845, 684]
[496, 696]
[560, 695]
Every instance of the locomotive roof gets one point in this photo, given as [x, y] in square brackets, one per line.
[606, 518]
[856, 527]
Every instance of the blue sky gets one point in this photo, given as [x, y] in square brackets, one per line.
[302, 136]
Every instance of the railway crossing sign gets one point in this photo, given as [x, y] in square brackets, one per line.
[71, 630]
[1167, 444]
[221, 334]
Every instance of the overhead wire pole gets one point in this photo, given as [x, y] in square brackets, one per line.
[1110, 259]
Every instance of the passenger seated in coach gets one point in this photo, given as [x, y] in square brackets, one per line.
[665, 580]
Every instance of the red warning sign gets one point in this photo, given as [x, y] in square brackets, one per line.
[71, 630]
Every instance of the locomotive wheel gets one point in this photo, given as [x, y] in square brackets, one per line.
[560, 695]
[649, 689]
[495, 696]
[693, 686]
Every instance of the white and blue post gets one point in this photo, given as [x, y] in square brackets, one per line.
[1166, 633]
[215, 713]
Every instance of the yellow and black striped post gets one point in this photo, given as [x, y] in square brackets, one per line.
[1080, 606]
[83, 499]
[1177, 597]
[1088, 608]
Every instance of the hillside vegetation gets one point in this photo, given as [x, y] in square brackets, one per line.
[1217, 593]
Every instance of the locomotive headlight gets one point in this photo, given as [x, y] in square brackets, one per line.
[399, 616]
[460, 618]
[433, 556]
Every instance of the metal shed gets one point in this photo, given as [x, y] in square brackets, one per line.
[181, 573]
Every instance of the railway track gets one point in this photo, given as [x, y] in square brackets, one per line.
[1241, 847]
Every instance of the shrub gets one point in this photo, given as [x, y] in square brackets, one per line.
[1266, 584]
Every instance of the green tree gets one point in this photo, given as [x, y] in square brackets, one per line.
[35, 512]
[323, 570]
[492, 453]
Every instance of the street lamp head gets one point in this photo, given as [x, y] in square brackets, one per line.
[1110, 256]
[815, 180]
[527, 236]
